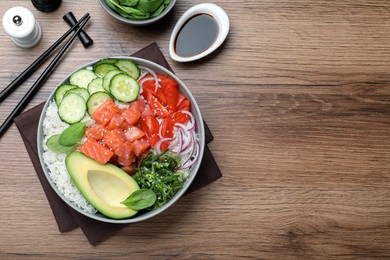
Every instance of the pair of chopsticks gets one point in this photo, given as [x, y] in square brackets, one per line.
[43, 77]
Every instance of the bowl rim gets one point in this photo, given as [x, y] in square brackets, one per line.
[167, 9]
[187, 183]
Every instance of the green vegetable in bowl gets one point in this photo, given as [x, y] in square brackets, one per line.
[159, 173]
[149, 6]
[72, 135]
[140, 199]
[138, 9]
[68, 139]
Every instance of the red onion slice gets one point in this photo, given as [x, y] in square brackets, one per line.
[153, 74]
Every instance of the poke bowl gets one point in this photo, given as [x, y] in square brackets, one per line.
[120, 139]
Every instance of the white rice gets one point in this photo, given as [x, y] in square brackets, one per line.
[55, 163]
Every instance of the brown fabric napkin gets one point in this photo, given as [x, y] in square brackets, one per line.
[67, 218]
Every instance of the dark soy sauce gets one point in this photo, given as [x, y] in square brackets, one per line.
[196, 35]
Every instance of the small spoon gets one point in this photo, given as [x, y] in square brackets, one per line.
[215, 13]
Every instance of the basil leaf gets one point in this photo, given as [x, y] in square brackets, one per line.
[140, 199]
[54, 145]
[72, 135]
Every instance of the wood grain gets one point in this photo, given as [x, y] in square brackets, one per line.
[298, 99]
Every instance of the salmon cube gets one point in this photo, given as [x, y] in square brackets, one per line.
[115, 122]
[96, 151]
[105, 112]
[131, 115]
[114, 139]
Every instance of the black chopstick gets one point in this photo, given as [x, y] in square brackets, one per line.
[34, 66]
[42, 78]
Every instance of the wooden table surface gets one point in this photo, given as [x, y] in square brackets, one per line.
[298, 99]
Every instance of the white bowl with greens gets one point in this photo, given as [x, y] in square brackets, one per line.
[122, 151]
[137, 12]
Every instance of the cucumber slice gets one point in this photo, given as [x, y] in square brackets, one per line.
[82, 78]
[129, 67]
[72, 108]
[60, 92]
[107, 60]
[102, 68]
[83, 92]
[107, 78]
[96, 100]
[96, 85]
[124, 88]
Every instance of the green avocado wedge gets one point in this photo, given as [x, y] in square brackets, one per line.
[105, 186]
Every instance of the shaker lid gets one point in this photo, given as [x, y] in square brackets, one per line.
[18, 22]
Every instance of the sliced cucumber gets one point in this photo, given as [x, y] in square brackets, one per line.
[107, 78]
[82, 78]
[72, 108]
[95, 85]
[124, 88]
[107, 60]
[79, 91]
[102, 68]
[96, 100]
[129, 67]
[60, 92]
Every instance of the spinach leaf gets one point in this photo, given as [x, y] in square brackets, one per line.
[72, 135]
[140, 199]
[129, 12]
[138, 9]
[129, 2]
[158, 11]
[110, 4]
[149, 6]
[54, 145]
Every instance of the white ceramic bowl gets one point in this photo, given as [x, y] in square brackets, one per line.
[214, 11]
[200, 131]
[114, 14]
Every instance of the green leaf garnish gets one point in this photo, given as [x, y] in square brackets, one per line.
[140, 199]
[72, 135]
[54, 145]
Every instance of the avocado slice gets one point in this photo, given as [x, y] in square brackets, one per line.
[105, 186]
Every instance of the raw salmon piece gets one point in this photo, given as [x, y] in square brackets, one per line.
[114, 139]
[105, 112]
[115, 122]
[133, 133]
[139, 104]
[125, 154]
[140, 146]
[131, 115]
[96, 151]
[97, 132]
[125, 150]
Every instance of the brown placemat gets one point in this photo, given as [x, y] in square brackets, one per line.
[67, 218]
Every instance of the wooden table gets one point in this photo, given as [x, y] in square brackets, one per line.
[298, 99]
